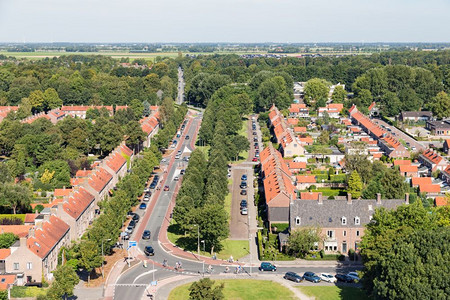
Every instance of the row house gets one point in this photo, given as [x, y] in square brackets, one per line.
[333, 110]
[298, 110]
[392, 147]
[415, 116]
[303, 182]
[409, 170]
[342, 221]
[54, 116]
[278, 187]
[5, 110]
[35, 256]
[150, 125]
[445, 175]
[295, 166]
[446, 146]
[79, 111]
[433, 161]
[438, 127]
[364, 122]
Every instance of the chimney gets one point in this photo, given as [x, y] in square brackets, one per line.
[407, 198]
[378, 198]
[320, 198]
[30, 234]
[38, 224]
[349, 198]
[46, 217]
[23, 241]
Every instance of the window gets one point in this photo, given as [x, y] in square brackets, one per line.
[357, 221]
[297, 221]
[344, 233]
[357, 232]
[344, 220]
[330, 233]
[29, 266]
[16, 266]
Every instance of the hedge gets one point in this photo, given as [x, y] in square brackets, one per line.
[280, 226]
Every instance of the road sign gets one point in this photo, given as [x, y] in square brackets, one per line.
[132, 243]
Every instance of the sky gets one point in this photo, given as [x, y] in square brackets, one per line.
[240, 21]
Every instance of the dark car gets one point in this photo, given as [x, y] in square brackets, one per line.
[166, 188]
[310, 276]
[254, 132]
[293, 277]
[243, 192]
[149, 251]
[126, 236]
[182, 172]
[187, 137]
[344, 278]
[255, 139]
[132, 224]
[146, 235]
[266, 266]
[244, 177]
[135, 218]
[37, 284]
[243, 185]
[143, 206]
[243, 203]
[153, 185]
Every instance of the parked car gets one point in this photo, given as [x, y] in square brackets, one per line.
[126, 236]
[143, 206]
[244, 177]
[182, 171]
[255, 139]
[153, 185]
[135, 217]
[176, 178]
[132, 224]
[344, 278]
[187, 137]
[255, 159]
[146, 198]
[178, 156]
[146, 235]
[293, 277]
[149, 251]
[129, 230]
[244, 211]
[243, 185]
[166, 188]
[243, 203]
[310, 276]
[353, 275]
[254, 133]
[327, 277]
[243, 192]
[266, 266]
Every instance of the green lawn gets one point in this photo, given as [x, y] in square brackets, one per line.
[24, 291]
[227, 203]
[243, 156]
[334, 292]
[12, 216]
[242, 289]
[237, 248]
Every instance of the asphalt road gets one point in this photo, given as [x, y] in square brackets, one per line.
[400, 134]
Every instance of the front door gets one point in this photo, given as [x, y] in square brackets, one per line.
[344, 247]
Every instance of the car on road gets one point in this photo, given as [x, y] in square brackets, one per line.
[176, 178]
[293, 277]
[125, 236]
[353, 275]
[344, 278]
[178, 156]
[243, 185]
[310, 276]
[146, 198]
[129, 230]
[243, 192]
[149, 251]
[186, 158]
[146, 235]
[255, 159]
[327, 277]
[182, 171]
[267, 266]
[244, 177]
[143, 206]
[187, 137]
[254, 133]
[243, 203]
[166, 188]
[153, 185]
[163, 160]
[244, 211]
[132, 223]
[255, 139]
[135, 218]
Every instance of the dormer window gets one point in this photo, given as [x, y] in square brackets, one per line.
[297, 221]
[344, 220]
[357, 221]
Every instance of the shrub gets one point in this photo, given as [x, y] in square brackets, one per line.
[11, 221]
[279, 227]
[321, 253]
[7, 240]
[38, 208]
[351, 254]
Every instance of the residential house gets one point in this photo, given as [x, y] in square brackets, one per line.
[278, 187]
[150, 125]
[445, 175]
[430, 190]
[303, 182]
[306, 141]
[447, 146]
[373, 109]
[392, 147]
[298, 110]
[366, 124]
[299, 130]
[433, 161]
[417, 181]
[36, 256]
[311, 196]
[415, 116]
[342, 221]
[440, 201]
[409, 170]
[296, 166]
[333, 110]
[5, 110]
[438, 127]
[80, 110]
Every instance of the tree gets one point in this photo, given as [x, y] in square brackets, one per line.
[14, 196]
[134, 133]
[7, 240]
[146, 111]
[203, 290]
[316, 89]
[138, 108]
[65, 280]
[364, 98]
[89, 257]
[56, 173]
[355, 185]
[37, 100]
[324, 138]
[51, 99]
[441, 105]
[394, 186]
[339, 94]
[213, 221]
[302, 240]
[391, 104]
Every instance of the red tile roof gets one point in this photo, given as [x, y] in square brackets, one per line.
[6, 280]
[298, 129]
[440, 201]
[292, 121]
[85, 108]
[296, 165]
[306, 140]
[305, 179]
[408, 169]
[115, 161]
[62, 192]
[432, 156]
[29, 218]
[47, 237]
[372, 105]
[402, 162]
[4, 253]
[430, 188]
[310, 195]
[421, 180]
[83, 173]
[99, 179]
[78, 203]
[19, 230]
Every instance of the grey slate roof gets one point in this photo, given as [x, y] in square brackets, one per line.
[417, 114]
[330, 213]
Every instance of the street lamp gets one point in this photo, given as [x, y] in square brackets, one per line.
[103, 257]
[203, 242]
[198, 238]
